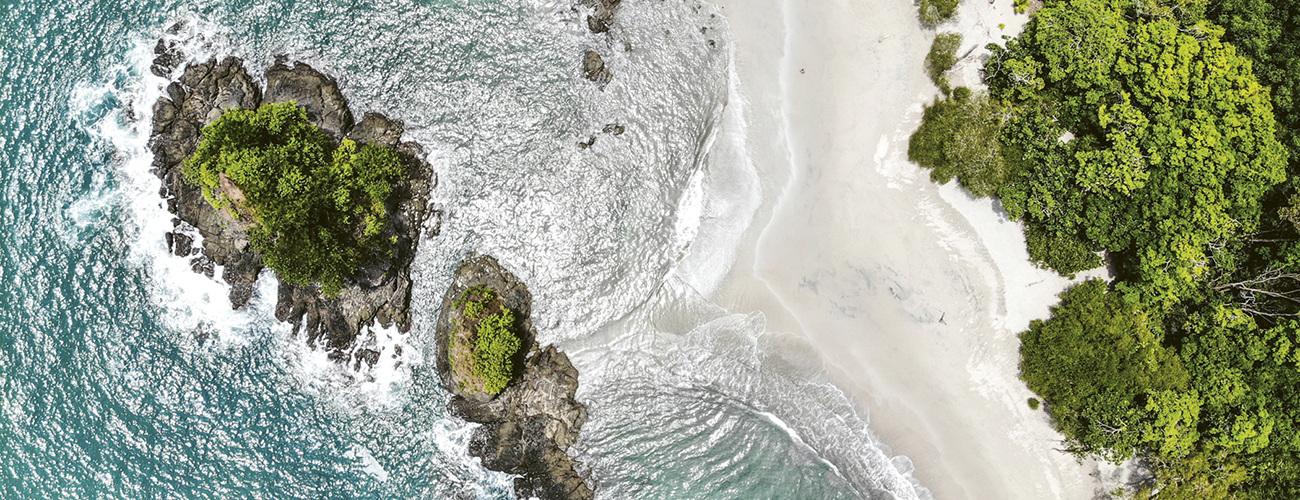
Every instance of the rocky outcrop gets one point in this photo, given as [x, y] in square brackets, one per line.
[316, 93]
[529, 426]
[599, 21]
[602, 16]
[593, 67]
[201, 94]
[380, 292]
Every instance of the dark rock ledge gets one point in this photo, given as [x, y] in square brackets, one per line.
[529, 426]
[380, 292]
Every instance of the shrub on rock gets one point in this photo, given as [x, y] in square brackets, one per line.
[317, 207]
[495, 342]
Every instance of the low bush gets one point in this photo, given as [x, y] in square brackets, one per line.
[1061, 253]
[958, 138]
[495, 340]
[936, 12]
[942, 57]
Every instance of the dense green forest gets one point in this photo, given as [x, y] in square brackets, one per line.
[1164, 136]
[317, 207]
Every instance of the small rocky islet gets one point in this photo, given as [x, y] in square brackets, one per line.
[527, 427]
[529, 424]
[380, 291]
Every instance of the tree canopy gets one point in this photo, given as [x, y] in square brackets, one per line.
[318, 208]
[1175, 140]
[1164, 135]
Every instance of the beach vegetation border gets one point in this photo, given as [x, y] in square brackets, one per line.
[935, 12]
[1165, 135]
[942, 57]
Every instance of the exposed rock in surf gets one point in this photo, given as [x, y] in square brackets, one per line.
[529, 426]
[593, 67]
[380, 292]
[602, 17]
[167, 56]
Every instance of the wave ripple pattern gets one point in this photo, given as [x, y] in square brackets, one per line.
[126, 375]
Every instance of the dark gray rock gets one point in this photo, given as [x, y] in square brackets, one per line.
[167, 56]
[375, 128]
[529, 426]
[378, 293]
[183, 246]
[593, 67]
[203, 93]
[318, 94]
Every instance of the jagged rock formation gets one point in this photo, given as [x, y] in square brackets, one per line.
[599, 21]
[379, 292]
[593, 67]
[603, 17]
[528, 427]
[316, 93]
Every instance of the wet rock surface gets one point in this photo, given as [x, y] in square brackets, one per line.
[529, 426]
[602, 17]
[593, 68]
[380, 292]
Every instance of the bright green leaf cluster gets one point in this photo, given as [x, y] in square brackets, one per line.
[494, 351]
[318, 208]
[1136, 128]
[1175, 139]
[495, 340]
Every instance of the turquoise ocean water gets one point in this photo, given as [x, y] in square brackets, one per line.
[125, 375]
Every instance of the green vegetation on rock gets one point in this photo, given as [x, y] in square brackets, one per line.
[495, 341]
[317, 207]
[1148, 131]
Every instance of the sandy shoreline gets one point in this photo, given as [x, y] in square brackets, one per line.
[912, 292]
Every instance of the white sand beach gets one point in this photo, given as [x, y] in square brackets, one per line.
[912, 292]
